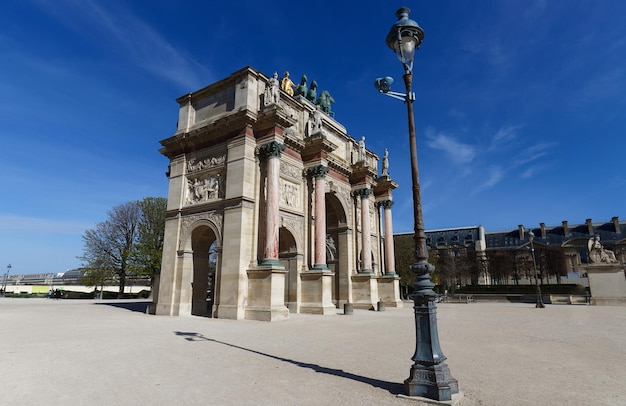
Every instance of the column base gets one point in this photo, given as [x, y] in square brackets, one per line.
[389, 290]
[266, 294]
[432, 382]
[320, 267]
[317, 292]
[364, 291]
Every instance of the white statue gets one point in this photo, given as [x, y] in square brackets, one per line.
[386, 163]
[362, 149]
[598, 254]
[315, 121]
[272, 92]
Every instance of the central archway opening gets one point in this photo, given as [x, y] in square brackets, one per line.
[204, 246]
[288, 257]
[336, 241]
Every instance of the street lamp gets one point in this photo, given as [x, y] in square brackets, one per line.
[6, 276]
[531, 237]
[429, 376]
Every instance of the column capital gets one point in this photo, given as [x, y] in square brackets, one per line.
[363, 193]
[319, 171]
[386, 204]
[271, 149]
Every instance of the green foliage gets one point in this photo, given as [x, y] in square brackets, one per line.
[404, 249]
[130, 241]
[149, 247]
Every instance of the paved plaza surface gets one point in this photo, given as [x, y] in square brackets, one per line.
[110, 353]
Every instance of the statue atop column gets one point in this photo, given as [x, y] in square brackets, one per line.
[311, 95]
[386, 163]
[286, 84]
[301, 89]
[361, 150]
[325, 101]
[599, 254]
[315, 121]
[272, 92]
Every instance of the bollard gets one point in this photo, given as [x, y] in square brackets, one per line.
[347, 308]
[381, 306]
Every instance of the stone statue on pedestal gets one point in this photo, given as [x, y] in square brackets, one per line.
[286, 84]
[599, 254]
[272, 92]
[386, 163]
[362, 150]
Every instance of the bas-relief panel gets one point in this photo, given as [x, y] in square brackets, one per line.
[199, 164]
[290, 194]
[205, 179]
[215, 104]
[292, 171]
[204, 188]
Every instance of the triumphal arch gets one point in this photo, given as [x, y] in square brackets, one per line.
[272, 207]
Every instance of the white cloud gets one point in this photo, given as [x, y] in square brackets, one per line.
[507, 133]
[459, 152]
[492, 176]
[137, 41]
[534, 152]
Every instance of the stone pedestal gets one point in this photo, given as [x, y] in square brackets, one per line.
[317, 291]
[389, 290]
[266, 294]
[607, 284]
[364, 291]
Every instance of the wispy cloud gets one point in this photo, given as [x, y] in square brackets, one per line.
[534, 152]
[138, 42]
[492, 176]
[459, 152]
[506, 133]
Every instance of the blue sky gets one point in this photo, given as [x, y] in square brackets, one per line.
[520, 110]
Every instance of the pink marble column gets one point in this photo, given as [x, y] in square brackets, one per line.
[319, 173]
[271, 151]
[366, 235]
[390, 261]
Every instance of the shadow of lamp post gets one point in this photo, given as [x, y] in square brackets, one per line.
[429, 376]
[531, 237]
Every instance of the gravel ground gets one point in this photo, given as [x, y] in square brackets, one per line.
[108, 353]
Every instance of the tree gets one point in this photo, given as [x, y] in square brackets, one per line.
[404, 249]
[110, 246]
[149, 248]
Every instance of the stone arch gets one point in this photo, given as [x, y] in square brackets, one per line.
[204, 264]
[337, 243]
[290, 258]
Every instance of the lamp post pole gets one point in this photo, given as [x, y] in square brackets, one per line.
[429, 375]
[6, 276]
[539, 304]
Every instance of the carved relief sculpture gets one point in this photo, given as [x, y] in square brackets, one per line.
[194, 165]
[203, 190]
[290, 194]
